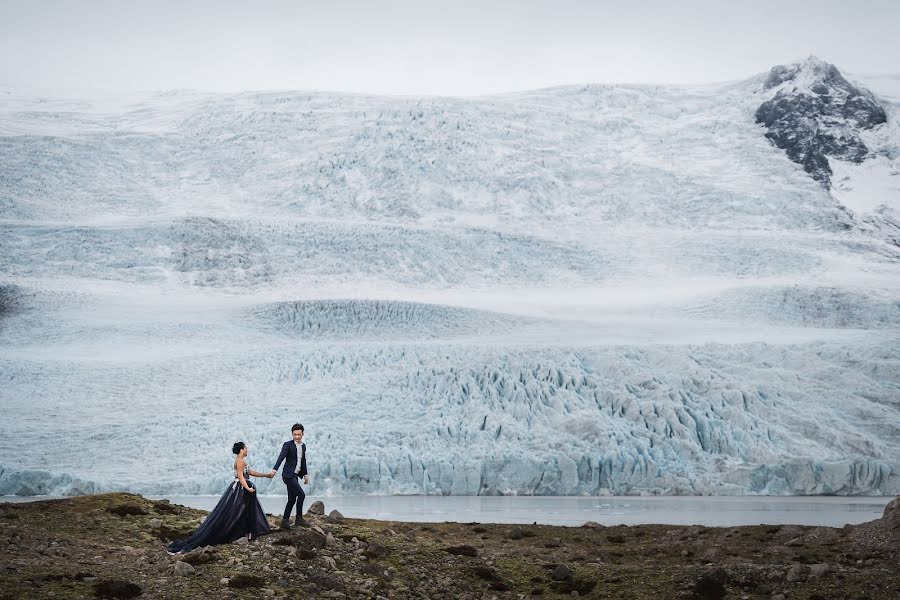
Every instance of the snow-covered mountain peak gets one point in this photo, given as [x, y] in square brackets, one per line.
[814, 113]
[812, 75]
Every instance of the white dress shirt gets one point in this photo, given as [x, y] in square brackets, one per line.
[299, 456]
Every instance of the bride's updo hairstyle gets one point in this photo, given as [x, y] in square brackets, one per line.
[238, 446]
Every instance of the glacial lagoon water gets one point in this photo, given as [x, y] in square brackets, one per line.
[711, 511]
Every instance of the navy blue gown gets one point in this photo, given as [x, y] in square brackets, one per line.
[237, 514]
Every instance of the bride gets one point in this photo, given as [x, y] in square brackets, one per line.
[237, 514]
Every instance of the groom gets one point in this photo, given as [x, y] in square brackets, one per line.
[293, 453]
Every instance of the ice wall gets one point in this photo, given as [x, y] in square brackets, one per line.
[581, 290]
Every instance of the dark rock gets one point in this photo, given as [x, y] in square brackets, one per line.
[304, 554]
[463, 550]
[711, 585]
[615, 538]
[561, 573]
[334, 517]
[182, 569]
[198, 556]
[323, 580]
[819, 570]
[166, 533]
[763, 589]
[127, 509]
[516, 534]
[163, 507]
[244, 581]
[485, 572]
[376, 551]
[317, 508]
[372, 569]
[192, 557]
[302, 539]
[822, 121]
[114, 588]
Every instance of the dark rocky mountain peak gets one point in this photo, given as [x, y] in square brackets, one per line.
[815, 113]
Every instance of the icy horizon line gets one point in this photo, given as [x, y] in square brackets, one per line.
[91, 93]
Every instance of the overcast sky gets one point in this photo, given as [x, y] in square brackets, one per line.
[454, 47]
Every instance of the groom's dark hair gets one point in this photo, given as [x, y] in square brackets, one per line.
[296, 427]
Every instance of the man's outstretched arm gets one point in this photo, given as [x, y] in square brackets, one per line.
[281, 457]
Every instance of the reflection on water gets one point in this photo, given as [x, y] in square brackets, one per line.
[619, 510]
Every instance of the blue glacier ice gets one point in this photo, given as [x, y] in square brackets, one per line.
[584, 290]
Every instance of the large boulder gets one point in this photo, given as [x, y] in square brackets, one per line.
[334, 516]
[711, 585]
[302, 539]
[317, 508]
[561, 573]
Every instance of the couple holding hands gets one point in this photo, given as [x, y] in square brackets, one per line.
[238, 512]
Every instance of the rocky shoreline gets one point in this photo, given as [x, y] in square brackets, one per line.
[113, 546]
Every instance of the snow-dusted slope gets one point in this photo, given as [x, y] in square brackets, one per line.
[592, 289]
[870, 190]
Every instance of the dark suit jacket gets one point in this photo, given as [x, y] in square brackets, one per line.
[289, 456]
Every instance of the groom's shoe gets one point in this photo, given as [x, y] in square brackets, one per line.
[285, 524]
[301, 522]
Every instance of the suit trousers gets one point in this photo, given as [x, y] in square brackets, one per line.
[295, 495]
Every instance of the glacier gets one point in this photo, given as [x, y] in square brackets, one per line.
[583, 290]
